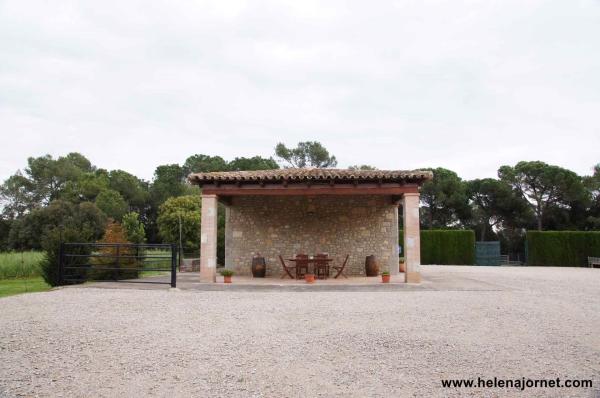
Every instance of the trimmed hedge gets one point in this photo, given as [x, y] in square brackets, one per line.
[562, 248]
[446, 247]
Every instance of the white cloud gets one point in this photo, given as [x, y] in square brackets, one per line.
[468, 86]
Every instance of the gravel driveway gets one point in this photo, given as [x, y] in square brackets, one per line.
[519, 322]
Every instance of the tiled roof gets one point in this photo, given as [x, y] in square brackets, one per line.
[311, 174]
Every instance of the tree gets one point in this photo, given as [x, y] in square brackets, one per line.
[494, 204]
[42, 181]
[546, 187]
[114, 234]
[112, 204]
[306, 154]
[131, 188]
[362, 167]
[168, 182]
[27, 232]
[444, 199]
[184, 209]
[5, 225]
[86, 187]
[17, 196]
[203, 164]
[253, 163]
[134, 229]
[592, 184]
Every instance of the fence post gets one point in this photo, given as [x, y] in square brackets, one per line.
[61, 265]
[173, 266]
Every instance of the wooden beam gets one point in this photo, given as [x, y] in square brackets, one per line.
[225, 190]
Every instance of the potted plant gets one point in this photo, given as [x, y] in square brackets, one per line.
[385, 277]
[402, 266]
[309, 278]
[227, 274]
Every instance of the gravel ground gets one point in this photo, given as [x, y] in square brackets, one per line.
[519, 322]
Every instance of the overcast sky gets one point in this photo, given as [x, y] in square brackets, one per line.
[397, 85]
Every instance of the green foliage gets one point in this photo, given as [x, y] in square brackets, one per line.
[547, 188]
[306, 154]
[187, 210]
[51, 244]
[27, 232]
[20, 264]
[446, 247]
[204, 163]
[253, 163]
[112, 204]
[494, 204]
[134, 229]
[385, 273]
[43, 180]
[562, 248]
[445, 201]
[226, 272]
[5, 226]
[362, 167]
[168, 182]
[132, 189]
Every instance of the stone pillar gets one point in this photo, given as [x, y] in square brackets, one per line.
[208, 239]
[412, 239]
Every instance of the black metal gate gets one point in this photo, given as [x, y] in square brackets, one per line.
[116, 262]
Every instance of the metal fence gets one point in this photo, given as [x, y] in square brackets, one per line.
[116, 262]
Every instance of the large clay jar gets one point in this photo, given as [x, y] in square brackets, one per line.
[259, 267]
[371, 266]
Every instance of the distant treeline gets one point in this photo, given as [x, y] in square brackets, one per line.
[527, 196]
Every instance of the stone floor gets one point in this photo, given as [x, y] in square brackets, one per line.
[442, 279]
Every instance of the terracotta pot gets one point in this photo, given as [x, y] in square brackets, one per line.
[402, 267]
[385, 278]
[227, 279]
[309, 278]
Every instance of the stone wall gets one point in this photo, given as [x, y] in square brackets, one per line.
[287, 225]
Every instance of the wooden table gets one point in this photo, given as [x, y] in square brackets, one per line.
[309, 261]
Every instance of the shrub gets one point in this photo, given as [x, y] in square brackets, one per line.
[562, 248]
[447, 247]
[51, 241]
[65, 222]
[115, 233]
[226, 272]
[134, 229]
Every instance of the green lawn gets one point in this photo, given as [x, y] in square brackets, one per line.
[9, 287]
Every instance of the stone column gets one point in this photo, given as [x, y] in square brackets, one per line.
[412, 240]
[208, 239]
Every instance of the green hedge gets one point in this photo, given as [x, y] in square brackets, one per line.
[447, 247]
[562, 248]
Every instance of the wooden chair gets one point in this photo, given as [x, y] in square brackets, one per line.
[321, 267]
[287, 268]
[340, 269]
[301, 265]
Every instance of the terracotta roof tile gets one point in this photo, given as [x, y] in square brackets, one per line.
[311, 174]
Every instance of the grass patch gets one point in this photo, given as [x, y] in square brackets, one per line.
[20, 264]
[10, 287]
